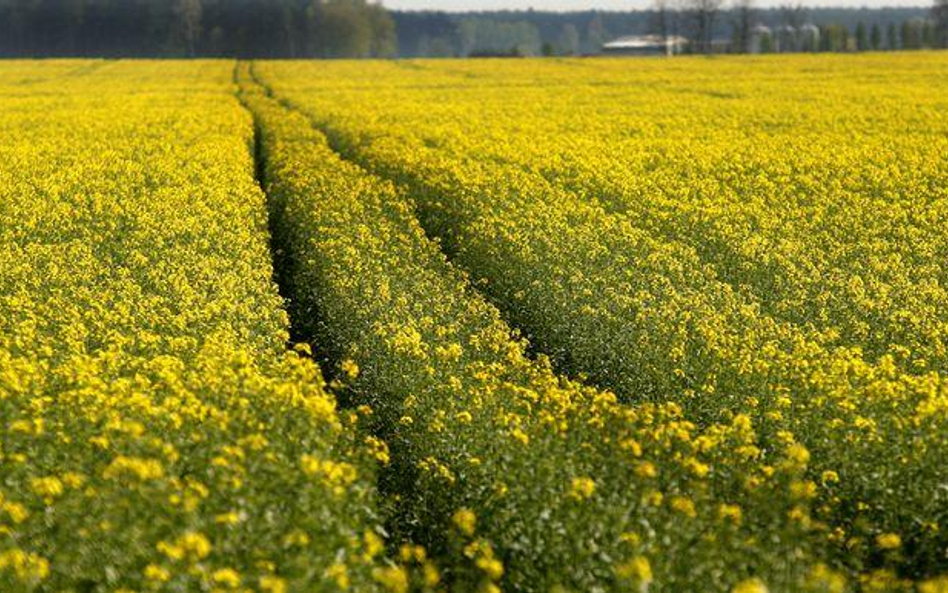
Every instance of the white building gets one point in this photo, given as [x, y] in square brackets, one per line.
[645, 45]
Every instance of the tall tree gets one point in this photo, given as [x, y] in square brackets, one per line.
[743, 25]
[703, 14]
[660, 20]
[596, 34]
[862, 38]
[843, 38]
[188, 16]
[568, 40]
[342, 32]
[940, 17]
[766, 43]
[384, 37]
[930, 33]
[875, 37]
[792, 18]
[891, 37]
[911, 34]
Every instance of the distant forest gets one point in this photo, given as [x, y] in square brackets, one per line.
[359, 29]
[180, 28]
[438, 34]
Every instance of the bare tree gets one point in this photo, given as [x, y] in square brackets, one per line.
[875, 37]
[743, 25]
[702, 15]
[188, 16]
[568, 40]
[793, 15]
[940, 17]
[596, 34]
[660, 21]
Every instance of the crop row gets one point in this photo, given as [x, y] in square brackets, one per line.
[649, 318]
[154, 432]
[507, 474]
[829, 217]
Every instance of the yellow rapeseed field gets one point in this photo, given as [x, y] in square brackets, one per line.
[590, 325]
[754, 238]
[155, 434]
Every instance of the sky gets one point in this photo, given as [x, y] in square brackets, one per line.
[453, 5]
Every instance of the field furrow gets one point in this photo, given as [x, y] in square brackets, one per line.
[564, 324]
[155, 434]
[648, 319]
[506, 473]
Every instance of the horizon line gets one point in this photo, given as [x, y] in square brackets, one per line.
[632, 10]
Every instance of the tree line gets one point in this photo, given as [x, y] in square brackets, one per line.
[736, 26]
[181, 28]
[361, 28]
[697, 20]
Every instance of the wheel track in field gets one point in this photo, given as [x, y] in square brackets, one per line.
[563, 357]
[405, 458]
[329, 359]
[339, 147]
[280, 254]
[714, 258]
[338, 142]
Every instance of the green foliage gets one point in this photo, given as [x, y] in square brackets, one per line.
[154, 432]
[696, 258]
[505, 472]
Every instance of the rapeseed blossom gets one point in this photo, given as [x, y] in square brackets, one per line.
[771, 257]
[507, 458]
[152, 420]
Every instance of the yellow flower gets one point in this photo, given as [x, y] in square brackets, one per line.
[379, 449]
[802, 489]
[698, 468]
[230, 518]
[226, 577]
[683, 505]
[638, 570]
[133, 467]
[582, 488]
[333, 473]
[339, 573]
[272, 584]
[373, 545]
[465, 520]
[492, 567]
[393, 578]
[350, 368]
[431, 576]
[645, 469]
[654, 498]
[73, 479]
[296, 537]
[936, 585]
[520, 435]
[798, 454]
[752, 585]
[49, 488]
[192, 545]
[889, 541]
[823, 578]
[16, 511]
[730, 512]
[27, 567]
[153, 572]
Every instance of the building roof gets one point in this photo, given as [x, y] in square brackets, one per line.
[644, 42]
